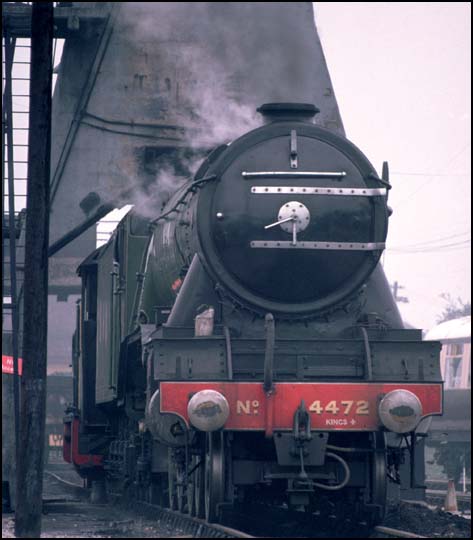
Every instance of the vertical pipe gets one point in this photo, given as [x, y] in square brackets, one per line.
[464, 473]
[269, 354]
[112, 329]
[76, 355]
[33, 384]
[228, 347]
[9, 52]
[118, 318]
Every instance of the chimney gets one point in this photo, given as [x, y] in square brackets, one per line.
[288, 112]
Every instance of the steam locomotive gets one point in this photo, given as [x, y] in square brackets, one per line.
[248, 348]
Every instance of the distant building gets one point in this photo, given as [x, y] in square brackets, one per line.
[455, 358]
[448, 447]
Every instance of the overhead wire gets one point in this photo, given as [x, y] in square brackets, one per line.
[427, 243]
[434, 249]
[428, 174]
[449, 162]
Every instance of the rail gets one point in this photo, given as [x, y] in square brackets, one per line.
[397, 533]
[198, 528]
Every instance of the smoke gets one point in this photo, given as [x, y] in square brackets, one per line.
[148, 183]
[207, 67]
[149, 199]
[221, 60]
[199, 57]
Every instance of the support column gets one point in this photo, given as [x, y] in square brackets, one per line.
[33, 383]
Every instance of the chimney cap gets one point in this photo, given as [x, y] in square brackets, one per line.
[288, 111]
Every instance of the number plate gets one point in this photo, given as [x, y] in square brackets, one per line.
[332, 406]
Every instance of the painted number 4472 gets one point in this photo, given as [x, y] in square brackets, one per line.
[343, 407]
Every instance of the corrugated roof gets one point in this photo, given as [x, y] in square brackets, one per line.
[454, 329]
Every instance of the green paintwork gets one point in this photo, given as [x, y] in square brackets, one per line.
[116, 291]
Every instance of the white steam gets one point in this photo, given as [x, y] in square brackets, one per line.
[212, 64]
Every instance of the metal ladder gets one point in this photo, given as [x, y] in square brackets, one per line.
[15, 110]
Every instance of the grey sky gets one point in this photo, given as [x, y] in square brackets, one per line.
[401, 74]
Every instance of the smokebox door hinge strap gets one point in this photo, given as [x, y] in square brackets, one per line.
[268, 383]
[293, 156]
[369, 361]
[269, 354]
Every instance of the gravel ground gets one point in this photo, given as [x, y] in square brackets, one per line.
[429, 522]
[69, 517]
[90, 523]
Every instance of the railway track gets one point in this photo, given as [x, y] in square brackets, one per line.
[396, 533]
[196, 527]
[258, 522]
[186, 525]
[76, 489]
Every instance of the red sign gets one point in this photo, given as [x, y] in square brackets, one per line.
[7, 364]
[332, 406]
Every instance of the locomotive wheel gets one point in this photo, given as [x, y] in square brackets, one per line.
[199, 487]
[176, 482]
[214, 475]
[172, 481]
[190, 498]
[379, 479]
[181, 489]
[191, 488]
